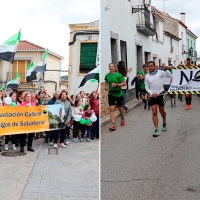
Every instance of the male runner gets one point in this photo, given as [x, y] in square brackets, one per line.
[188, 97]
[154, 86]
[143, 91]
[113, 83]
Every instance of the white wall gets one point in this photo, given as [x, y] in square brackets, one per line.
[75, 77]
[182, 57]
[167, 51]
[123, 23]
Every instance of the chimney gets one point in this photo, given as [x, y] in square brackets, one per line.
[183, 17]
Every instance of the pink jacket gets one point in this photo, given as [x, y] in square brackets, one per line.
[24, 103]
[84, 117]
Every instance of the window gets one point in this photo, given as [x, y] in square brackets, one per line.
[88, 53]
[123, 52]
[20, 66]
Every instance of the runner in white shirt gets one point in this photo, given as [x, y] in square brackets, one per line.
[154, 86]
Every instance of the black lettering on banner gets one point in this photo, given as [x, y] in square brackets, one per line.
[185, 76]
[196, 77]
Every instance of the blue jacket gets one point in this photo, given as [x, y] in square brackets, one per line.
[52, 101]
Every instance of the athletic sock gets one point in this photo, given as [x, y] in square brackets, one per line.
[122, 119]
[164, 122]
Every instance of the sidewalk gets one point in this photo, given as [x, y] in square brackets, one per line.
[132, 104]
[72, 174]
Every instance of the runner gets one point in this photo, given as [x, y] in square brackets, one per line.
[143, 91]
[188, 97]
[113, 83]
[154, 86]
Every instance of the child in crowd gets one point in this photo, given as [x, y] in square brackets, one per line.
[86, 115]
[76, 110]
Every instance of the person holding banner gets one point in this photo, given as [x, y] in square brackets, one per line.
[68, 115]
[188, 97]
[27, 102]
[13, 97]
[154, 86]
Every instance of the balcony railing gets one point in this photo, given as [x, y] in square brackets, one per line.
[144, 25]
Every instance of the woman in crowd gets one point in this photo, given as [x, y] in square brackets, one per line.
[20, 96]
[68, 115]
[27, 102]
[76, 110]
[13, 96]
[33, 98]
[122, 70]
[94, 103]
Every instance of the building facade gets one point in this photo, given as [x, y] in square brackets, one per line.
[191, 46]
[83, 47]
[26, 53]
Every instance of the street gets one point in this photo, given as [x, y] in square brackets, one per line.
[136, 166]
[73, 174]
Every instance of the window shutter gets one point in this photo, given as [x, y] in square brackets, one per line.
[88, 55]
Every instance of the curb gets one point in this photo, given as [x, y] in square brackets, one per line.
[106, 121]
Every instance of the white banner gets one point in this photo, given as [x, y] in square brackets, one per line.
[185, 80]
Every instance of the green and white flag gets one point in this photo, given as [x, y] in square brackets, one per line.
[30, 73]
[93, 76]
[41, 66]
[14, 83]
[8, 48]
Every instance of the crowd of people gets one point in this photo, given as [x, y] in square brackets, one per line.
[82, 104]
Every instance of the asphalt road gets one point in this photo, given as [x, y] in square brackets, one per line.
[134, 165]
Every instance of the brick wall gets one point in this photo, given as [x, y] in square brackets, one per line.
[104, 102]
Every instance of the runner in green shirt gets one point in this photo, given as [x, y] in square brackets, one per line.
[143, 91]
[113, 83]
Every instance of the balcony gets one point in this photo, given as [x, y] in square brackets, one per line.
[144, 25]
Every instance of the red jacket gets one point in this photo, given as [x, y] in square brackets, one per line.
[94, 103]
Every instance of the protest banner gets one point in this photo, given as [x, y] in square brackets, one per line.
[186, 80]
[21, 119]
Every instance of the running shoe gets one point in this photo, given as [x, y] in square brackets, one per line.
[149, 108]
[145, 106]
[186, 107]
[122, 123]
[164, 127]
[88, 139]
[112, 128]
[190, 106]
[156, 133]
[81, 139]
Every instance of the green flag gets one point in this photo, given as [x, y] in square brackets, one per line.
[14, 40]
[45, 54]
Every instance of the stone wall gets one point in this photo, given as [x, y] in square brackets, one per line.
[104, 102]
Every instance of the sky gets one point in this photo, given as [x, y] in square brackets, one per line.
[191, 8]
[45, 22]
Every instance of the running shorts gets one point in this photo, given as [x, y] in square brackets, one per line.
[143, 92]
[160, 100]
[112, 100]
